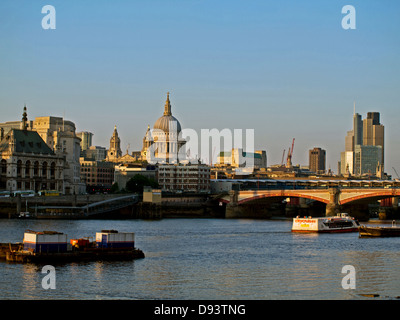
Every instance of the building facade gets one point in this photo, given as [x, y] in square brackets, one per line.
[86, 139]
[317, 160]
[95, 153]
[97, 175]
[60, 136]
[28, 163]
[347, 163]
[367, 160]
[184, 177]
[239, 158]
[357, 160]
[374, 133]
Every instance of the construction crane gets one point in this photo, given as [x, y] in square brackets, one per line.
[289, 156]
[283, 156]
[396, 173]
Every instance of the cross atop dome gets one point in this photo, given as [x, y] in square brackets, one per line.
[167, 107]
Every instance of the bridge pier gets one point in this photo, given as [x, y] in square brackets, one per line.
[234, 210]
[333, 207]
[389, 209]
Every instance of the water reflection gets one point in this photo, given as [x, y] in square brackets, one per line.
[211, 259]
[29, 280]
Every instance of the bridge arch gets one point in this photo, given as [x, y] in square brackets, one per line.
[247, 196]
[349, 196]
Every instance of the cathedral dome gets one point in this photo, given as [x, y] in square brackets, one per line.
[167, 120]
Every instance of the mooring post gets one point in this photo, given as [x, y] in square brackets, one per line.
[19, 205]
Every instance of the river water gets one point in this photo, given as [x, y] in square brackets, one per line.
[217, 259]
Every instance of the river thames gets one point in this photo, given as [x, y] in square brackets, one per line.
[213, 259]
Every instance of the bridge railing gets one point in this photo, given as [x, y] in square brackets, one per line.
[270, 184]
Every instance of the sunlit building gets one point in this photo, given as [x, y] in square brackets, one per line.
[28, 163]
[162, 144]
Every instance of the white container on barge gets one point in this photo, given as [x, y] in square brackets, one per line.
[115, 239]
[45, 241]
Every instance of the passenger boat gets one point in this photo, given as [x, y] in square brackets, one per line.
[393, 231]
[340, 223]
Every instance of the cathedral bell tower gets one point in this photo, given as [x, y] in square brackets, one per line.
[115, 151]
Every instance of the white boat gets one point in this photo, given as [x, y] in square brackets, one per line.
[24, 215]
[340, 223]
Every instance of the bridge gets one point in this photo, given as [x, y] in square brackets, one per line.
[334, 194]
[110, 205]
[92, 209]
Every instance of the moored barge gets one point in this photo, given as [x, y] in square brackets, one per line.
[52, 246]
[368, 231]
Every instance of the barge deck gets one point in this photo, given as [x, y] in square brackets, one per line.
[51, 246]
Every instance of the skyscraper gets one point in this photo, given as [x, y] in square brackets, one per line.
[364, 146]
[317, 160]
[86, 139]
[374, 132]
[358, 130]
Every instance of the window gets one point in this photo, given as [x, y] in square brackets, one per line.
[3, 166]
[27, 168]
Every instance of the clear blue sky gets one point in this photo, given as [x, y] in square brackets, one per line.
[284, 68]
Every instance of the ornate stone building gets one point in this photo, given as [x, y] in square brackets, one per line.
[115, 147]
[28, 163]
[163, 144]
[60, 136]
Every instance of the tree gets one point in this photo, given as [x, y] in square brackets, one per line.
[138, 182]
[114, 188]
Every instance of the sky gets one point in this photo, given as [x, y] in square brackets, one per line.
[286, 69]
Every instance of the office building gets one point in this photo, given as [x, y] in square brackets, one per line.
[239, 158]
[95, 153]
[317, 160]
[97, 173]
[86, 139]
[367, 160]
[374, 133]
[184, 177]
[357, 159]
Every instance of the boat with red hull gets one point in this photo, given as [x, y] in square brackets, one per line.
[340, 223]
